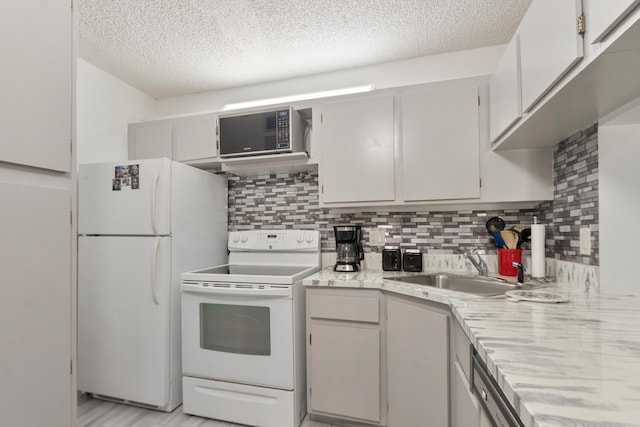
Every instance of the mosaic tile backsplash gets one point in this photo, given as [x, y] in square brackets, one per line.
[291, 201]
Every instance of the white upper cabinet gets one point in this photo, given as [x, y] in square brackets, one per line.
[505, 104]
[357, 161]
[195, 138]
[441, 157]
[549, 46]
[151, 140]
[182, 139]
[603, 16]
[37, 61]
[440, 142]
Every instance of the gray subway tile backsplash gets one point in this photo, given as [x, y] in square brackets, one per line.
[290, 200]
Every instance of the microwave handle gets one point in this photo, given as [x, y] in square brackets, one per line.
[265, 293]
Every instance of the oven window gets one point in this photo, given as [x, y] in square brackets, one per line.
[237, 329]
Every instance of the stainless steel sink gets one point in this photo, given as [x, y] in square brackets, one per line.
[478, 285]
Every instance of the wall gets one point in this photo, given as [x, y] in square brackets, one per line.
[105, 106]
[576, 198]
[291, 200]
[475, 62]
[619, 150]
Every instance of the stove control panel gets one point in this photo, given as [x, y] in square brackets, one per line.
[274, 240]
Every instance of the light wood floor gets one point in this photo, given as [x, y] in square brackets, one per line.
[99, 413]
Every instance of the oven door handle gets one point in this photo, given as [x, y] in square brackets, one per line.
[263, 293]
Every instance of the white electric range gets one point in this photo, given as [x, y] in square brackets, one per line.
[243, 329]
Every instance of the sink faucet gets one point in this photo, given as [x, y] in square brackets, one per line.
[479, 264]
[520, 268]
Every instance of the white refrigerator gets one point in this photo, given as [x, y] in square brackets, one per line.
[141, 224]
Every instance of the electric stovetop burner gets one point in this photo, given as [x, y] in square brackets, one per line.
[255, 270]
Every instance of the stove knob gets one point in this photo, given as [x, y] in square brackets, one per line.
[236, 238]
[244, 238]
[309, 238]
[300, 238]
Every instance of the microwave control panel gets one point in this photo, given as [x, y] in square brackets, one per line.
[282, 123]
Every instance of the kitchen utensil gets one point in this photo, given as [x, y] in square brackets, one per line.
[495, 223]
[498, 238]
[525, 236]
[510, 238]
[517, 233]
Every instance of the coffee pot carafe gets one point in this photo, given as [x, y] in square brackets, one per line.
[349, 251]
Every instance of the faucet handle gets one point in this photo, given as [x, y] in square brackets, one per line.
[520, 268]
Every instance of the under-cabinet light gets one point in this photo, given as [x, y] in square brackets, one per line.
[300, 97]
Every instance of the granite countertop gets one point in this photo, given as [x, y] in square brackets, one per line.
[566, 364]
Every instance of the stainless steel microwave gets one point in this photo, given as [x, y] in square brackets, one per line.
[268, 132]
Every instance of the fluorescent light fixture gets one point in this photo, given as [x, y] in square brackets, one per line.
[300, 97]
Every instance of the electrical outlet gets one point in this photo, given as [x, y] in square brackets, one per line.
[585, 241]
[376, 237]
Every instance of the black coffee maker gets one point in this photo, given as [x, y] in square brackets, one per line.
[349, 251]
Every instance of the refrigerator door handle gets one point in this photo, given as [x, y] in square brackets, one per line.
[154, 203]
[154, 271]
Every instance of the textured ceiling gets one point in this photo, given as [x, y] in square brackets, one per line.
[176, 47]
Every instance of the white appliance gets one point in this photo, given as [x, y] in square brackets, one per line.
[243, 330]
[141, 224]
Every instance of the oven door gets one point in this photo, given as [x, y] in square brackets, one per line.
[239, 334]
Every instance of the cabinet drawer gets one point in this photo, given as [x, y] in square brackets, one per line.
[337, 307]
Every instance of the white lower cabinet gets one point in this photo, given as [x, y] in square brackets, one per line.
[377, 359]
[417, 361]
[465, 408]
[344, 358]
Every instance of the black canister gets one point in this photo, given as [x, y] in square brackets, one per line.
[391, 258]
[412, 260]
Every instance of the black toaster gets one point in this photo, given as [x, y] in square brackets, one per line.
[412, 260]
[391, 258]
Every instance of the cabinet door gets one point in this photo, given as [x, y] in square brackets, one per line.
[465, 410]
[344, 374]
[35, 106]
[549, 46]
[505, 104]
[603, 16]
[358, 150]
[195, 138]
[440, 142]
[150, 141]
[417, 365]
[35, 306]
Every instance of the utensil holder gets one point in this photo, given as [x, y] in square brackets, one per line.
[505, 258]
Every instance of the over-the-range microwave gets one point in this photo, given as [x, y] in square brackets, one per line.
[260, 133]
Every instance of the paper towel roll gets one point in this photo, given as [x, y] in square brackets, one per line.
[537, 251]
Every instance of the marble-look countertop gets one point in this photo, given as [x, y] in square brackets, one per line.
[566, 364]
